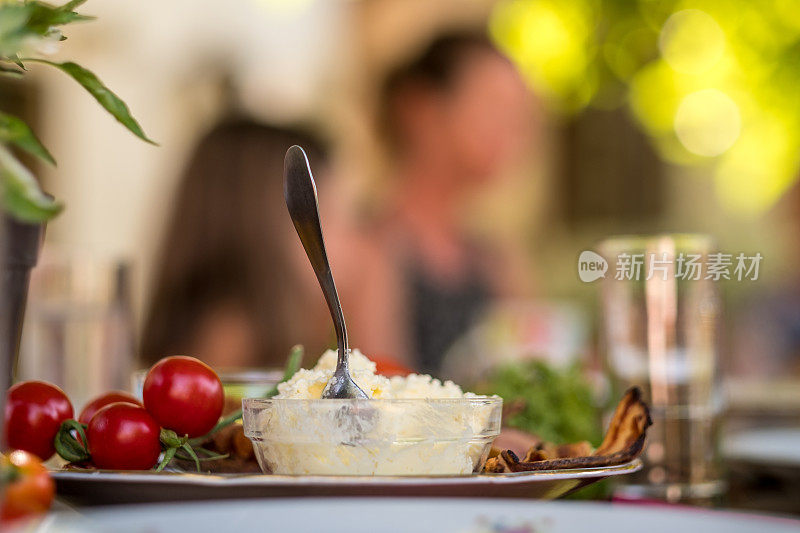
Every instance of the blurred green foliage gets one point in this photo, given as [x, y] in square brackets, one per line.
[713, 82]
[28, 30]
[554, 403]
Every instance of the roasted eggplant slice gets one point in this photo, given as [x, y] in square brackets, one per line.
[623, 442]
[548, 452]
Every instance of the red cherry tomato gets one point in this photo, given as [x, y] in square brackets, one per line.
[34, 412]
[184, 394]
[106, 399]
[123, 436]
[29, 489]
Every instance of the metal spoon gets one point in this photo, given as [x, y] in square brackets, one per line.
[300, 193]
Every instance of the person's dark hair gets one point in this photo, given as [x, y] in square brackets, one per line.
[436, 67]
[226, 243]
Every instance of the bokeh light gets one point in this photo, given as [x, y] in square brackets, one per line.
[691, 41]
[704, 78]
[707, 122]
[550, 40]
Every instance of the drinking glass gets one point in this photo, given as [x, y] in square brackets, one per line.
[660, 314]
[79, 330]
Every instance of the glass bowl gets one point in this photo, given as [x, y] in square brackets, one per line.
[403, 437]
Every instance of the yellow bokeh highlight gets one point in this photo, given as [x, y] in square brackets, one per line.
[707, 122]
[691, 41]
[549, 42]
[763, 165]
[713, 82]
[655, 94]
[623, 53]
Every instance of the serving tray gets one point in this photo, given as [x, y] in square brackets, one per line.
[106, 487]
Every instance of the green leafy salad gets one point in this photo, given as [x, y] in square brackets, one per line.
[554, 403]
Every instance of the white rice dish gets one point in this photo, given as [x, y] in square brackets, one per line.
[412, 425]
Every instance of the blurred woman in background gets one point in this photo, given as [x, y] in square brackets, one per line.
[453, 117]
[229, 286]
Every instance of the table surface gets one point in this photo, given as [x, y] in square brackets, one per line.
[411, 514]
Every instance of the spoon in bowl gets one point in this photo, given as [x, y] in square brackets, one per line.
[300, 193]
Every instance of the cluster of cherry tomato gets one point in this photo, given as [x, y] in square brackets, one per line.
[116, 431]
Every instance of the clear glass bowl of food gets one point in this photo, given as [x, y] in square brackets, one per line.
[385, 437]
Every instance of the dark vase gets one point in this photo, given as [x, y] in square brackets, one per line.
[20, 251]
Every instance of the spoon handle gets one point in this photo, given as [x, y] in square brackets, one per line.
[300, 193]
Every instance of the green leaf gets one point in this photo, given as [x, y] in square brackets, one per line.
[293, 361]
[44, 16]
[210, 456]
[171, 439]
[22, 23]
[69, 6]
[14, 58]
[168, 455]
[110, 101]
[22, 197]
[188, 449]
[14, 130]
[70, 441]
[13, 30]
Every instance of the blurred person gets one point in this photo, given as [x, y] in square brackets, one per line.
[230, 286]
[453, 118]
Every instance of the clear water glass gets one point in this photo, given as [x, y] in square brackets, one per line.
[660, 332]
